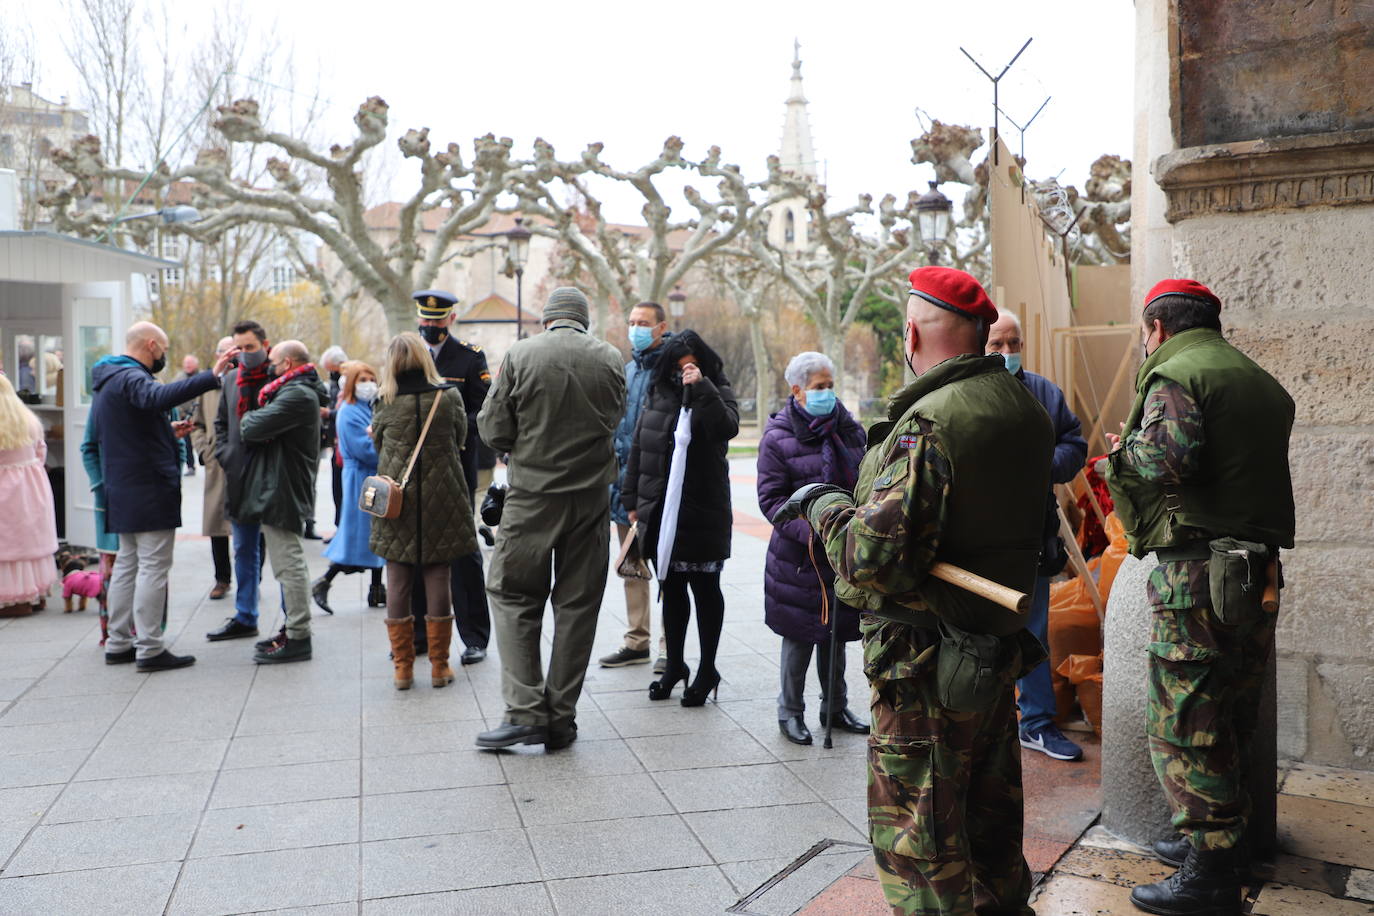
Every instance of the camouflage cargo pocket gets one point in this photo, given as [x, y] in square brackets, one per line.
[911, 808]
[1183, 710]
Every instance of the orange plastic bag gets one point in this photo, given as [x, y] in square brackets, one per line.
[1073, 630]
[1112, 556]
[1084, 672]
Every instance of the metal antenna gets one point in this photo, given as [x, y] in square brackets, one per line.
[1022, 130]
[995, 80]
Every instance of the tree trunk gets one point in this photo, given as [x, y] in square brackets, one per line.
[763, 381]
[335, 320]
[832, 345]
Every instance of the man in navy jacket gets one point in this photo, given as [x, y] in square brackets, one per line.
[1036, 690]
[141, 467]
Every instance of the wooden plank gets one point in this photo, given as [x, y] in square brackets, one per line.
[1127, 358]
[1080, 565]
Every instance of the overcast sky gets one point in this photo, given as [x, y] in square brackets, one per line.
[630, 74]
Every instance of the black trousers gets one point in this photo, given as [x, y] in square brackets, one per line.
[468, 586]
[337, 474]
[219, 549]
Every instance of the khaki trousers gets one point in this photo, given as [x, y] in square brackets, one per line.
[137, 594]
[637, 606]
[286, 550]
[568, 534]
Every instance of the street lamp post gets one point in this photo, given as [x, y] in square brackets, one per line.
[932, 215]
[518, 249]
[677, 306]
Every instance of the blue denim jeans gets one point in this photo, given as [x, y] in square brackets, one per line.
[1035, 690]
[248, 557]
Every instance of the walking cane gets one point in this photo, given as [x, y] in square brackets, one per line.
[826, 612]
[830, 677]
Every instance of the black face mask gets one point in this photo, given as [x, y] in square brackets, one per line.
[432, 335]
[159, 364]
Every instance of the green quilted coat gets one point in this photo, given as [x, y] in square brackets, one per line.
[436, 522]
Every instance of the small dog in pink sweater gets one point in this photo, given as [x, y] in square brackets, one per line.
[79, 583]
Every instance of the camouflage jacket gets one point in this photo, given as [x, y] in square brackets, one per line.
[889, 543]
[1164, 449]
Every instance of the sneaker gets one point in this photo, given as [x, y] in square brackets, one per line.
[1051, 742]
[289, 650]
[660, 664]
[265, 644]
[624, 656]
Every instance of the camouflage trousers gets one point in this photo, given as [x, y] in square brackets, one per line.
[1205, 682]
[944, 788]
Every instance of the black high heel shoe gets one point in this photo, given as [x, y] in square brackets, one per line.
[695, 695]
[662, 689]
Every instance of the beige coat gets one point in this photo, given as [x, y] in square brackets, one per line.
[214, 523]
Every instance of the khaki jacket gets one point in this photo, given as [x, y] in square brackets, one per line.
[214, 521]
[554, 409]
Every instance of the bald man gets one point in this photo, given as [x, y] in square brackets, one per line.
[958, 474]
[1035, 691]
[140, 468]
[278, 491]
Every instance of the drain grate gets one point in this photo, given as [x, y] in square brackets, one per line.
[808, 875]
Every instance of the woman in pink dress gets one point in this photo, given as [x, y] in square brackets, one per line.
[28, 525]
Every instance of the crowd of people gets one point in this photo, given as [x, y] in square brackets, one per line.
[960, 472]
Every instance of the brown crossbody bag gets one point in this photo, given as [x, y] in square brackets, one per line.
[381, 496]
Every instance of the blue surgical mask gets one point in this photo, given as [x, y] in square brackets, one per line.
[641, 338]
[1013, 362]
[820, 402]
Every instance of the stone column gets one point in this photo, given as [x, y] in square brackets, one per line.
[1133, 804]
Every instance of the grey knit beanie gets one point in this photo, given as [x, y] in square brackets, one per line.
[568, 302]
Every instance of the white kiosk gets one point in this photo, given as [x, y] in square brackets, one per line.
[65, 303]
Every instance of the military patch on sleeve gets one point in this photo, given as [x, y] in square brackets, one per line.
[908, 440]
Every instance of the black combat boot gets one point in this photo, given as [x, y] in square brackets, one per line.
[1206, 884]
[1173, 850]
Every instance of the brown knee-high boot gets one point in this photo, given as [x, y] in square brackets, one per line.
[402, 633]
[440, 631]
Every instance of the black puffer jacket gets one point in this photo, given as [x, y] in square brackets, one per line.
[705, 517]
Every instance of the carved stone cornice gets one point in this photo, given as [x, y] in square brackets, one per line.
[1282, 173]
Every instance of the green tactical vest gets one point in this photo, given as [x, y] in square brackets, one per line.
[1000, 443]
[1242, 488]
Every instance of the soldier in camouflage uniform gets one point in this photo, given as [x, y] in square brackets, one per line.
[1204, 458]
[957, 473]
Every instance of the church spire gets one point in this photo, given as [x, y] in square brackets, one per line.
[798, 154]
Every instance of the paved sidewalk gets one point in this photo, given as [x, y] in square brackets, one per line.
[233, 788]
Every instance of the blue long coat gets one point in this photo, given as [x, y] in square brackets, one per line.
[789, 458]
[349, 545]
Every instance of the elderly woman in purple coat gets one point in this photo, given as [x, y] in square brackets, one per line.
[813, 439]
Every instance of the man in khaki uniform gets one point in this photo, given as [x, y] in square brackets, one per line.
[554, 409]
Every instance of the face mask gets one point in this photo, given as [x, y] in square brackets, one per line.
[1013, 362]
[820, 402]
[366, 391]
[159, 364]
[641, 338]
[254, 359]
[432, 335]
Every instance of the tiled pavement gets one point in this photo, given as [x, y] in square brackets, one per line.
[317, 788]
[233, 788]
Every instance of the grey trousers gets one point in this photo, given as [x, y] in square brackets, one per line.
[137, 595]
[796, 658]
[286, 550]
[568, 534]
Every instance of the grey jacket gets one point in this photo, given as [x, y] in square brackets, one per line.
[554, 409]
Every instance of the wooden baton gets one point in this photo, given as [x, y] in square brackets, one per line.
[1270, 601]
[997, 593]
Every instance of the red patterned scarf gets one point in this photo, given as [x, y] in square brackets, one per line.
[249, 382]
[270, 390]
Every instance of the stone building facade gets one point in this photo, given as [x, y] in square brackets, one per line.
[1256, 122]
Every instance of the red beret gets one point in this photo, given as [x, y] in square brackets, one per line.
[953, 290]
[1190, 288]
